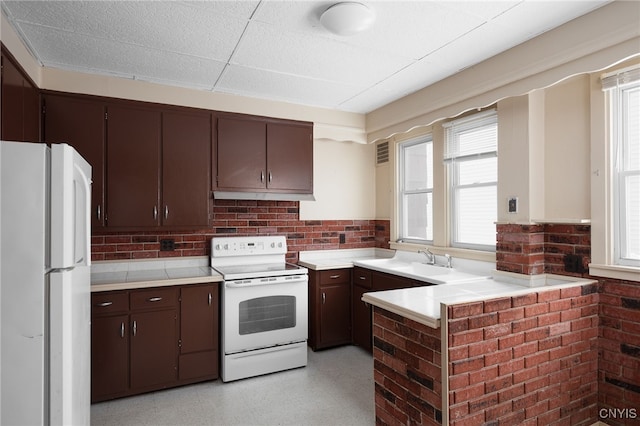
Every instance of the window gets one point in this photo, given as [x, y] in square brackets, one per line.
[471, 145]
[623, 89]
[416, 190]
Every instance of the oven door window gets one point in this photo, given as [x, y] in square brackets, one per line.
[267, 314]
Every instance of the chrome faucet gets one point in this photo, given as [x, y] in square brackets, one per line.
[431, 258]
[448, 257]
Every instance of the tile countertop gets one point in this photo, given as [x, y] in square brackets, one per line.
[115, 275]
[423, 304]
[320, 260]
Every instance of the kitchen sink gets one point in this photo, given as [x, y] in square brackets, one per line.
[434, 274]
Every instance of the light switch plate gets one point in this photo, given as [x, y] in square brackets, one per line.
[512, 205]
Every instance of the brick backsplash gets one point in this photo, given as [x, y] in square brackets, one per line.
[525, 360]
[541, 248]
[243, 218]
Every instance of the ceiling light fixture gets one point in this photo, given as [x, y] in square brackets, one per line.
[347, 18]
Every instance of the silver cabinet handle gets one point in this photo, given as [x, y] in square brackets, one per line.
[98, 212]
[104, 304]
[333, 277]
[134, 328]
[155, 212]
[261, 176]
[166, 212]
[209, 299]
[122, 329]
[363, 278]
[270, 176]
[324, 297]
[154, 299]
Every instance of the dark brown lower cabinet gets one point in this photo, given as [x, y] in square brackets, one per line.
[329, 308]
[198, 331]
[109, 356]
[366, 280]
[154, 340]
[137, 339]
[361, 312]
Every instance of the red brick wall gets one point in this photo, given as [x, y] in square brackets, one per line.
[407, 371]
[525, 360]
[236, 218]
[541, 248]
[619, 347]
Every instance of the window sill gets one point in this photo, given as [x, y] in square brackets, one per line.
[484, 256]
[627, 273]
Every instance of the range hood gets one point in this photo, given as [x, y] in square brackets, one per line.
[269, 196]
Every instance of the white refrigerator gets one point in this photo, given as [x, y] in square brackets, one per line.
[45, 262]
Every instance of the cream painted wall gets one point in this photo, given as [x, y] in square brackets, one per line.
[513, 158]
[567, 150]
[344, 182]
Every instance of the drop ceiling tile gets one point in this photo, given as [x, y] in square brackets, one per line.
[288, 88]
[266, 47]
[78, 52]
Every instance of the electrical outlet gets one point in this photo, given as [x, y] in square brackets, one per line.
[512, 205]
[167, 245]
[343, 239]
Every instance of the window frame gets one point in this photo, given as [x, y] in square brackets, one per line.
[618, 111]
[454, 159]
[402, 192]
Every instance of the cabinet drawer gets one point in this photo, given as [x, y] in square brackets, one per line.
[109, 302]
[362, 277]
[334, 276]
[154, 298]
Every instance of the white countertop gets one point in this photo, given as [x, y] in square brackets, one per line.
[423, 304]
[319, 260]
[112, 275]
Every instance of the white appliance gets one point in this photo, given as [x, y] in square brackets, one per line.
[264, 306]
[44, 285]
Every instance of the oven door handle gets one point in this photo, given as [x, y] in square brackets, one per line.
[257, 283]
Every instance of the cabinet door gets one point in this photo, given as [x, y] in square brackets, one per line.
[335, 314]
[242, 153]
[290, 157]
[109, 356]
[361, 319]
[198, 318]
[81, 124]
[133, 167]
[12, 102]
[198, 331]
[154, 342]
[186, 154]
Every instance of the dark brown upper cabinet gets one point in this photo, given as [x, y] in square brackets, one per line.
[80, 122]
[20, 119]
[186, 169]
[133, 167]
[256, 154]
[158, 168]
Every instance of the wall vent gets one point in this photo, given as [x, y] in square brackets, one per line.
[382, 152]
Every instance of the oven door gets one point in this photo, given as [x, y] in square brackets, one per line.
[263, 313]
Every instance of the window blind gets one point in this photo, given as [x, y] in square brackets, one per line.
[621, 77]
[473, 136]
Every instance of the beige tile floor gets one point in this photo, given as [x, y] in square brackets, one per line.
[335, 388]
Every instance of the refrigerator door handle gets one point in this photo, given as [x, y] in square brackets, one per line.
[70, 208]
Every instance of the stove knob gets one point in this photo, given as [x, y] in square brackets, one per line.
[280, 245]
[217, 246]
[226, 246]
[273, 245]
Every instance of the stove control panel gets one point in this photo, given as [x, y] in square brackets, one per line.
[248, 246]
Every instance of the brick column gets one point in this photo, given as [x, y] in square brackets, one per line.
[520, 248]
